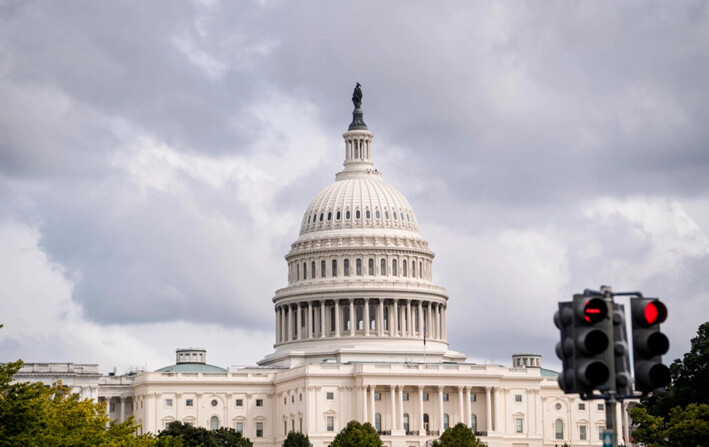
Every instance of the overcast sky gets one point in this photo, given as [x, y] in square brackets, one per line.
[156, 159]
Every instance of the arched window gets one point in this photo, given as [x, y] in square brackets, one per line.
[334, 267]
[383, 267]
[337, 215]
[371, 267]
[559, 429]
[305, 270]
[386, 318]
[393, 268]
[413, 269]
[446, 421]
[378, 422]
[372, 318]
[425, 421]
[358, 267]
[406, 422]
[358, 214]
[214, 423]
[346, 317]
[312, 269]
[322, 269]
[403, 268]
[473, 423]
[347, 267]
[360, 318]
[297, 272]
[420, 269]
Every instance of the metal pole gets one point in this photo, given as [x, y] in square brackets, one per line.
[610, 423]
[610, 399]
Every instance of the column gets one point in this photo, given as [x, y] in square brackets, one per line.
[438, 321]
[288, 323]
[625, 422]
[365, 317]
[337, 318]
[353, 318]
[394, 419]
[395, 324]
[380, 323]
[443, 322]
[298, 323]
[278, 325]
[123, 409]
[488, 408]
[421, 428]
[440, 408]
[309, 319]
[401, 408]
[467, 406]
[460, 406]
[409, 326]
[364, 404]
[429, 321]
[373, 409]
[322, 319]
[421, 320]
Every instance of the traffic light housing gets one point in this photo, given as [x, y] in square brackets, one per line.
[649, 344]
[621, 351]
[584, 348]
[564, 320]
[592, 333]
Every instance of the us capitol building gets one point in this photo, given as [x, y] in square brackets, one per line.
[360, 333]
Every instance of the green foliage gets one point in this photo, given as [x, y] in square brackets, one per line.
[295, 439]
[32, 414]
[684, 427]
[458, 436]
[357, 435]
[190, 436]
[690, 378]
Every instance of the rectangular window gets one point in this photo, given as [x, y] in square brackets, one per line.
[377, 396]
[405, 396]
[445, 397]
[473, 398]
[518, 398]
[330, 396]
[601, 429]
[330, 423]
[240, 427]
[168, 402]
[519, 425]
[239, 402]
[301, 425]
[582, 407]
[259, 429]
[425, 397]
[111, 407]
[259, 403]
[600, 407]
[582, 432]
[285, 428]
[189, 403]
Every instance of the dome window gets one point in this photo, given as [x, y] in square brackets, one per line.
[377, 215]
[329, 216]
[347, 215]
[347, 267]
[337, 216]
[321, 216]
[357, 214]
[402, 216]
[368, 214]
[383, 267]
[308, 219]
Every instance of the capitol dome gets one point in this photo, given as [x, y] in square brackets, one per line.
[360, 280]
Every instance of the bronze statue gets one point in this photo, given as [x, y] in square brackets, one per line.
[357, 96]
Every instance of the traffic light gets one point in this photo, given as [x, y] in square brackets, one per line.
[593, 355]
[564, 320]
[621, 351]
[649, 344]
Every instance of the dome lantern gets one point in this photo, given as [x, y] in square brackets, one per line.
[358, 139]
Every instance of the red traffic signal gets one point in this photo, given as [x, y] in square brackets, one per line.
[594, 310]
[654, 313]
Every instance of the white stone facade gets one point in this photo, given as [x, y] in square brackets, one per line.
[349, 344]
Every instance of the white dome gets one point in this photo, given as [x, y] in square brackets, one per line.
[358, 201]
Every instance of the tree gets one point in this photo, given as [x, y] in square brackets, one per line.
[191, 436]
[684, 427]
[295, 439]
[690, 378]
[357, 435]
[459, 435]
